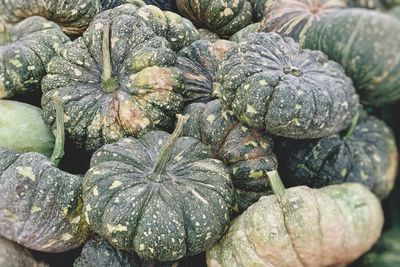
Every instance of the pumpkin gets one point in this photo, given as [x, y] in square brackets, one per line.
[163, 4]
[23, 129]
[300, 226]
[206, 34]
[120, 79]
[252, 28]
[161, 196]
[13, 255]
[269, 82]
[40, 205]
[366, 154]
[25, 50]
[260, 8]
[246, 152]
[375, 66]
[222, 17]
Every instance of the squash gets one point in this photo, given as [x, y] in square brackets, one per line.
[161, 196]
[246, 152]
[260, 8]
[252, 28]
[206, 34]
[300, 226]
[40, 205]
[222, 17]
[13, 255]
[23, 129]
[270, 82]
[120, 79]
[366, 153]
[26, 48]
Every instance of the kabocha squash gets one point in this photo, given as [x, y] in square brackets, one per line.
[246, 152]
[25, 49]
[23, 129]
[299, 226]
[40, 205]
[260, 8]
[252, 28]
[270, 82]
[222, 17]
[13, 255]
[206, 34]
[120, 78]
[161, 196]
[366, 153]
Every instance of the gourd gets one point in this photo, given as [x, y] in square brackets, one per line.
[161, 196]
[206, 34]
[366, 153]
[246, 152]
[23, 129]
[40, 205]
[260, 8]
[252, 28]
[120, 79]
[222, 17]
[300, 226]
[269, 82]
[25, 49]
[13, 255]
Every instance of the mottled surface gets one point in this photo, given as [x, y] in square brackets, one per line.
[364, 43]
[260, 8]
[331, 226]
[368, 156]
[161, 217]
[13, 255]
[23, 58]
[240, 35]
[270, 82]
[206, 34]
[40, 205]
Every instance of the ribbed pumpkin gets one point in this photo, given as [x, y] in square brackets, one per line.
[13, 255]
[25, 49]
[161, 196]
[252, 28]
[270, 82]
[206, 34]
[120, 79]
[299, 226]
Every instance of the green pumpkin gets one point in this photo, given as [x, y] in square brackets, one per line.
[161, 196]
[40, 205]
[246, 152]
[25, 49]
[222, 17]
[252, 28]
[270, 82]
[13, 255]
[300, 226]
[260, 8]
[365, 154]
[206, 34]
[120, 79]
[23, 129]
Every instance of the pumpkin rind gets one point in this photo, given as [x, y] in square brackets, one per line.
[206, 34]
[163, 4]
[240, 35]
[13, 255]
[270, 82]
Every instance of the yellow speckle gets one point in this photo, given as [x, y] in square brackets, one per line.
[234, 170]
[298, 106]
[116, 228]
[227, 12]
[35, 209]
[115, 184]
[49, 244]
[363, 175]
[141, 246]
[211, 118]
[76, 220]
[10, 215]
[251, 143]
[98, 26]
[67, 237]
[343, 172]
[65, 211]
[77, 72]
[197, 195]
[263, 82]
[95, 191]
[31, 67]
[16, 63]
[250, 109]
[256, 174]
[26, 172]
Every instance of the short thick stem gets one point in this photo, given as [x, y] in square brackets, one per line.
[5, 36]
[293, 71]
[276, 183]
[109, 83]
[58, 151]
[353, 125]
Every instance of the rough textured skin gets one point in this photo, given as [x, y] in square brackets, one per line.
[206, 34]
[260, 8]
[148, 85]
[223, 17]
[373, 66]
[331, 226]
[246, 152]
[24, 55]
[40, 205]
[72, 16]
[13, 255]
[368, 156]
[23, 129]
[240, 35]
[270, 82]
[294, 18]
[199, 63]
[159, 216]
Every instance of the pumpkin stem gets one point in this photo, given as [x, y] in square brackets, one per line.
[5, 36]
[353, 125]
[276, 183]
[58, 151]
[109, 83]
[161, 166]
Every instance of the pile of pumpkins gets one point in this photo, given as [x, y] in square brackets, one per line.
[191, 133]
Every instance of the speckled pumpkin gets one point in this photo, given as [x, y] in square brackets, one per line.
[246, 152]
[366, 154]
[120, 78]
[40, 205]
[270, 82]
[206, 34]
[223, 17]
[331, 226]
[161, 196]
[25, 49]
[13, 255]
[252, 28]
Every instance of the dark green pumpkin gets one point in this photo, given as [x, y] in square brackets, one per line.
[246, 152]
[25, 49]
[259, 8]
[13, 255]
[270, 82]
[252, 28]
[161, 196]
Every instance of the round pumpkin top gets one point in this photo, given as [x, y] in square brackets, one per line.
[162, 196]
[270, 82]
[13, 255]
